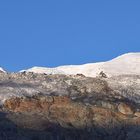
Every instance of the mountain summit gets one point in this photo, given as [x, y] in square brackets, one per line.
[124, 64]
[63, 104]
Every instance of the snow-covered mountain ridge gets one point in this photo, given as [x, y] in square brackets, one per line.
[125, 64]
[72, 107]
[2, 70]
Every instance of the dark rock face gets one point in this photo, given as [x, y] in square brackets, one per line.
[60, 107]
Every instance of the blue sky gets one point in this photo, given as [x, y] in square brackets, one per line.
[58, 32]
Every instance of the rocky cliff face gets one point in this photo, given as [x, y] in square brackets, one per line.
[60, 107]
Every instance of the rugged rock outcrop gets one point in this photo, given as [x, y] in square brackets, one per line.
[60, 107]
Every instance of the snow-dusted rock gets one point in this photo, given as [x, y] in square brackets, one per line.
[40, 106]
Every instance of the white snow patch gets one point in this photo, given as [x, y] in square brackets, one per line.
[124, 64]
[2, 70]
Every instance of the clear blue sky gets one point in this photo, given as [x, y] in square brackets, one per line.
[57, 32]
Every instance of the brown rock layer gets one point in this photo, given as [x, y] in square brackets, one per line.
[69, 113]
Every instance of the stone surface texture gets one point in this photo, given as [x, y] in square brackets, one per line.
[60, 107]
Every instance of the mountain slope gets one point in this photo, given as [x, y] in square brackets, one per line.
[61, 107]
[125, 64]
